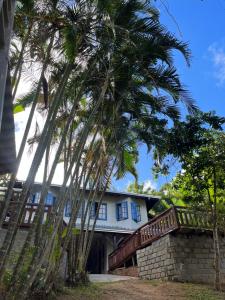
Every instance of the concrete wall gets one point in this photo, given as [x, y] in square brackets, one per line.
[19, 241]
[130, 271]
[17, 246]
[181, 257]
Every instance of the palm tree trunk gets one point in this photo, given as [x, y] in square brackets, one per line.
[62, 196]
[7, 10]
[216, 241]
[46, 135]
[5, 206]
[7, 133]
[15, 77]
[37, 222]
[88, 247]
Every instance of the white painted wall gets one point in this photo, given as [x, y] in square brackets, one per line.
[112, 224]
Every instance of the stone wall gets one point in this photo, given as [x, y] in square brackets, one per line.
[17, 246]
[181, 257]
[19, 241]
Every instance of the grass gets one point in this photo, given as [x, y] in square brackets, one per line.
[201, 292]
[83, 292]
[185, 291]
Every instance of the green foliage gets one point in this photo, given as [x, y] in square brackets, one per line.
[88, 291]
[26, 264]
[197, 292]
[127, 161]
[7, 278]
[64, 233]
[201, 183]
[70, 46]
[118, 44]
[55, 256]
[24, 101]
[169, 196]
[50, 229]
[139, 188]
[186, 136]
[18, 108]
[75, 231]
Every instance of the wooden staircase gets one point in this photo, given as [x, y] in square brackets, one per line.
[172, 219]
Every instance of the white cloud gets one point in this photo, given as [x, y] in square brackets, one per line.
[217, 53]
[148, 184]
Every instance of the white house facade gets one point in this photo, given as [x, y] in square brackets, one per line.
[120, 214]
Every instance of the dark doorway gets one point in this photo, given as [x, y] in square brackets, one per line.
[96, 263]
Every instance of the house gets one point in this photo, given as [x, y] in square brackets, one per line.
[120, 214]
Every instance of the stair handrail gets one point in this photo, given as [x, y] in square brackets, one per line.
[139, 229]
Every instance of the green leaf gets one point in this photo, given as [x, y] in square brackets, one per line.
[75, 231]
[64, 233]
[18, 108]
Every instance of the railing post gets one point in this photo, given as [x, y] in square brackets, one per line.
[176, 218]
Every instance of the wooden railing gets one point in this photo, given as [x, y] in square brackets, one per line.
[190, 218]
[29, 210]
[124, 251]
[172, 219]
[28, 214]
[158, 226]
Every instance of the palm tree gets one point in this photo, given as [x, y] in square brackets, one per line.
[121, 58]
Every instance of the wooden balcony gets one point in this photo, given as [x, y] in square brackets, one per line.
[28, 214]
[172, 219]
[29, 211]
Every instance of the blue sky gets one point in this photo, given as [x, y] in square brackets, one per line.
[202, 24]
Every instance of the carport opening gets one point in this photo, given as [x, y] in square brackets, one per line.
[97, 260]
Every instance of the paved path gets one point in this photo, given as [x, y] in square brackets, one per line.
[108, 278]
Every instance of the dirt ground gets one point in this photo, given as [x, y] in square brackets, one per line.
[142, 290]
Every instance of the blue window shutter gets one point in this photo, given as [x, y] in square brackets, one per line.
[79, 214]
[138, 213]
[133, 211]
[117, 212]
[33, 198]
[68, 209]
[49, 199]
[106, 212]
[93, 210]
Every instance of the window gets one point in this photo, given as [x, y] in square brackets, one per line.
[121, 211]
[50, 199]
[102, 214]
[68, 209]
[136, 212]
[81, 211]
[35, 198]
